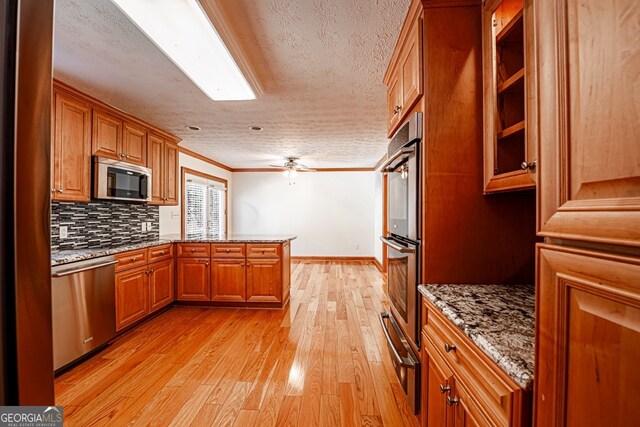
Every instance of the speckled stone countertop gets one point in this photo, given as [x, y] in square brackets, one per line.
[64, 257]
[499, 319]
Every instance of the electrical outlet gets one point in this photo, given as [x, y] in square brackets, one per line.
[63, 232]
[149, 226]
[144, 226]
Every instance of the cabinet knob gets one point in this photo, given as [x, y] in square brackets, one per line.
[161, 252]
[60, 190]
[206, 264]
[530, 165]
[122, 155]
[227, 250]
[193, 250]
[397, 109]
[262, 252]
[445, 388]
[452, 401]
[134, 258]
[449, 347]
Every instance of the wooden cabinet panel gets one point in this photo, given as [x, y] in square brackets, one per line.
[588, 338]
[228, 280]
[465, 412]
[193, 279]
[437, 382]
[134, 144]
[160, 284]
[263, 250]
[286, 271]
[264, 280]
[132, 298]
[170, 174]
[228, 250]
[411, 67]
[155, 162]
[394, 104]
[159, 253]
[589, 120]
[106, 138]
[71, 149]
[131, 259]
[195, 250]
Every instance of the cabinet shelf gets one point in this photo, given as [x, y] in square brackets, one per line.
[514, 82]
[514, 24]
[518, 127]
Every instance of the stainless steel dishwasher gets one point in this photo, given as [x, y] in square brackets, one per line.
[83, 306]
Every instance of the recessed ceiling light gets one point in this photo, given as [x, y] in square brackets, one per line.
[193, 127]
[255, 127]
[182, 30]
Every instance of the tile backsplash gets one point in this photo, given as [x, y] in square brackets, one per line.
[101, 224]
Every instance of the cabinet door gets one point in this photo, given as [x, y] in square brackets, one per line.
[106, 139]
[132, 296]
[588, 338]
[264, 280]
[437, 384]
[72, 149]
[394, 104]
[170, 174]
[465, 412]
[228, 280]
[155, 162]
[134, 144]
[160, 284]
[411, 68]
[589, 120]
[193, 279]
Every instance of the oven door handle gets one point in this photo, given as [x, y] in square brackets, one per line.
[406, 151]
[397, 247]
[405, 362]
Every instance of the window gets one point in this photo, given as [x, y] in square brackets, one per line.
[204, 209]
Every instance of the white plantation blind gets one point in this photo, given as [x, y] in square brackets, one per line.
[205, 208]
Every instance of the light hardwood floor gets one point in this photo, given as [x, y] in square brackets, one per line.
[322, 361]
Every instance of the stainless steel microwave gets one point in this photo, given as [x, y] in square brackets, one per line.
[115, 180]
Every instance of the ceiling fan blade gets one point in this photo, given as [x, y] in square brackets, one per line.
[277, 166]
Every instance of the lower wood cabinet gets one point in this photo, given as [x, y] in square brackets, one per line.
[193, 281]
[160, 284]
[228, 280]
[264, 282]
[132, 296]
[588, 338]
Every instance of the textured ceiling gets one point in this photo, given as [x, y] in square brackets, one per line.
[320, 63]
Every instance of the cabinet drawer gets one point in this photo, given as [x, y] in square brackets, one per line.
[227, 250]
[131, 259]
[193, 250]
[492, 387]
[159, 253]
[263, 250]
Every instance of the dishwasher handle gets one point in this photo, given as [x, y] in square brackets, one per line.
[79, 270]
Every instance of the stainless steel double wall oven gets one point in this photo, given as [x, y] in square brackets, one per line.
[400, 323]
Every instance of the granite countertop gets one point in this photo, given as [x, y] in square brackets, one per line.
[499, 319]
[67, 256]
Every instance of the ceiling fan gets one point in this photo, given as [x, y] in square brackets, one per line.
[291, 167]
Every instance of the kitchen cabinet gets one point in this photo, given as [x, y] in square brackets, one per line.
[134, 144]
[404, 75]
[461, 385]
[588, 338]
[510, 157]
[263, 280]
[162, 159]
[132, 296]
[228, 280]
[71, 149]
[193, 279]
[160, 284]
[106, 140]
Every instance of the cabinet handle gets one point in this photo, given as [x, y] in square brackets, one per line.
[227, 250]
[60, 190]
[453, 401]
[134, 258]
[206, 264]
[530, 165]
[263, 252]
[397, 109]
[193, 250]
[449, 347]
[122, 155]
[152, 271]
[242, 265]
[445, 388]
[161, 252]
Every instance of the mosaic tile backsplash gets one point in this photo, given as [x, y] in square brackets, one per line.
[101, 224]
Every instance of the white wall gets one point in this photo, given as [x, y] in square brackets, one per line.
[330, 212]
[377, 216]
[170, 215]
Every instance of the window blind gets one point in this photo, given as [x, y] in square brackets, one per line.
[205, 209]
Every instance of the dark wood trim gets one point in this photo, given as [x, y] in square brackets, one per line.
[204, 159]
[378, 265]
[183, 172]
[96, 103]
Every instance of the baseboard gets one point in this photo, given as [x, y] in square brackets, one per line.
[378, 264]
[359, 259]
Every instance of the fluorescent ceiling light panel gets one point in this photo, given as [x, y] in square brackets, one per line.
[184, 33]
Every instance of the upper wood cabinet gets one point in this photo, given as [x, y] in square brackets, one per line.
[106, 139]
[162, 159]
[510, 158]
[404, 75]
[71, 149]
[134, 144]
[587, 338]
[589, 120]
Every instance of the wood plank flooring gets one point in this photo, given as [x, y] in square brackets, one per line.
[322, 361]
